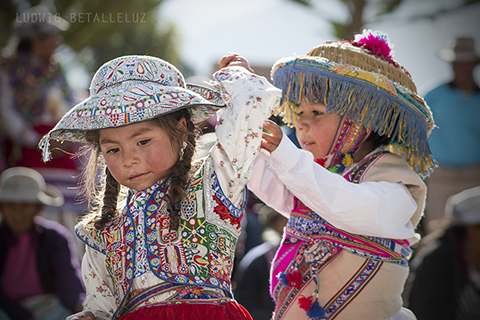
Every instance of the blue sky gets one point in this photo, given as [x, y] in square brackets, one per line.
[266, 30]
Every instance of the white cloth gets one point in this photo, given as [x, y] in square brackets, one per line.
[403, 314]
[381, 209]
[249, 101]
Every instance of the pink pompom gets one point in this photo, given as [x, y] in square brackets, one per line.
[376, 43]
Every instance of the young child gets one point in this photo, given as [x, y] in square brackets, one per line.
[162, 235]
[354, 194]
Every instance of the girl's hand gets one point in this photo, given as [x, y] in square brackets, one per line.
[232, 60]
[271, 140]
[87, 316]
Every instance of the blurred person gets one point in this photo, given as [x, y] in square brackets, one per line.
[445, 279]
[455, 143]
[33, 90]
[252, 226]
[34, 95]
[39, 269]
[252, 289]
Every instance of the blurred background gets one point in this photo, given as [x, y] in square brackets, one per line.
[194, 34]
[46, 68]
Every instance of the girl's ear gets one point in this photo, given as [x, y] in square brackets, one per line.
[183, 122]
[182, 125]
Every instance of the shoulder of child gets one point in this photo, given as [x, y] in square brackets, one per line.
[392, 168]
[92, 237]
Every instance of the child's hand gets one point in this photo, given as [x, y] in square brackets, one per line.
[232, 60]
[271, 140]
[87, 316]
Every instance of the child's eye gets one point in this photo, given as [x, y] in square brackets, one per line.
[317, 113]
[113, 150]
[299, 113]
[144, 142]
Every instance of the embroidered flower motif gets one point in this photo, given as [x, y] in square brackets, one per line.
[254, 135]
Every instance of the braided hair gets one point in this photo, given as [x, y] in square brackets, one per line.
[103, 203]
[181, 169]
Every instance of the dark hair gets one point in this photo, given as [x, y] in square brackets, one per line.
[103, 203]
[25, 45]
[376, 140]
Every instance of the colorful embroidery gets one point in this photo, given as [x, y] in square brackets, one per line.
[131, 89]
[200, 253]
[365, 96]
[310, 243]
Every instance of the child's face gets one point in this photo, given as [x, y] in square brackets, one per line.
[316, 129]
[137, 155]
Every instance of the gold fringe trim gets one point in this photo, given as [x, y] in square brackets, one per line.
[347, 54]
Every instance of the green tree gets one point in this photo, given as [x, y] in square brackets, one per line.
[102, 30]
[357, 14]
[363, 12]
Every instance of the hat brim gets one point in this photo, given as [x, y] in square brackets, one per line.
[50, 196]
[451, 56]
[361, 96]
[36, 21]
[131, 102]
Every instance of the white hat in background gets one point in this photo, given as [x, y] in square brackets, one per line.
[462, 51]
[26, 185]
[464, 208]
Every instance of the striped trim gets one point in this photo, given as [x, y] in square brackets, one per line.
[143, 296]
[352, 288]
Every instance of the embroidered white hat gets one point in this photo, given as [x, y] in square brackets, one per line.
[132, 89]
[26, 185]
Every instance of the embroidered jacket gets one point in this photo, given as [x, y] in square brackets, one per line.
[137, 261]
[199, 253]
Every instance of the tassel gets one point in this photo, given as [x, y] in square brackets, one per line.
[294, 278]
[283, 278]
[315, 311]
[44, 145]
[305, 302]
[291, 279]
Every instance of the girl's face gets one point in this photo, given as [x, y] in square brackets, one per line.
[138, 155]
[316, 129]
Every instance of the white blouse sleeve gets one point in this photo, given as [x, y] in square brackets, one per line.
[381, 209]
[266, 185]
[99, 299]
[250, 100]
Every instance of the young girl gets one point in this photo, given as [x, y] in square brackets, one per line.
[162, 235]
[354, 194]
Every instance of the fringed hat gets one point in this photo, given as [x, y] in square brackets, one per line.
[360, 81]
[132, 89]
